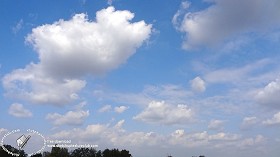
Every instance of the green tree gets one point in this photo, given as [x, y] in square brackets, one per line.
[83, 152]
[125, 153]
[3, 153]
[59, 152]
[46, 154]
[106, 153]
[116, 153]
[37, 155]
[99, 154]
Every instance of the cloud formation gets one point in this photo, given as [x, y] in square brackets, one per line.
[69, 118]
[115, 135]
[216, 125]
[225, 19]
[105, 108]
[80, 46]
[71, 49]
[18, 26]
[249, 122]
[161, 113]
[198, 85]
[33, 85]
[270, 94]
[275, 120]
[120, 109]
[18, 110]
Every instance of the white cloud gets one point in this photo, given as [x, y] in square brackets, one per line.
[216, 125]
[199, 139]
[178, 16]
[18, 110]
[162, 113]
[225, 19]
[270, 94]
[121, 109]
[236, 74]
[251, 142]
[69, 118]
[218, 141]
[71, 49]
[80, 106]
[80, 46]
[93, 131]
[107, 135]
[178, 133]
[33, 85]
[167, 91]
[18, 26]
[120, 124]
[105, 108]
[110, 2]
[275, 120]
[171, 93]
[198, 85]
[3, 131]
[249, 122]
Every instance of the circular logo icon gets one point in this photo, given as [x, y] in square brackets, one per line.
[31, 141]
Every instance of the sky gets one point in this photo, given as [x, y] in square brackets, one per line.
[158, 78]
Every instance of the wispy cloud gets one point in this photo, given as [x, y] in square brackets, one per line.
[224, 20]
[18, 110]
[105, 108]
[18, 26]
[69, 118]
[162, 113]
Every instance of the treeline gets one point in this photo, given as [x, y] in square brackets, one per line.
[63, 152]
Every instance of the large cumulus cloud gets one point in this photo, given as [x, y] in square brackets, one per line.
[71, 49]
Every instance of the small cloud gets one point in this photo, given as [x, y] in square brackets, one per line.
[162, 113]
[18, 26]
[249, 122]
[109, 2]
[80, 106]
[70, 118]
[121, 109]
[275, 120]
[105, 108]
[179, 14]
[270, 94]
[18, 110]
[198, 85]
[120, 124]
[216, 125]
[3, 130]
[178, 133]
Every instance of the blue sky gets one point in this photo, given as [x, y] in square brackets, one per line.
[168, 77]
